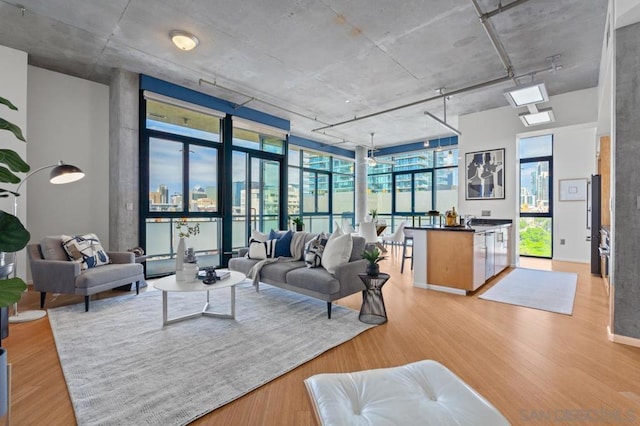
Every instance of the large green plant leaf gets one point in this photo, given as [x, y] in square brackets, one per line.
[5, 193]
[13, 236]
[13, 161]
[8, 103]
[7, 176]
[6, 125]
[11, 291]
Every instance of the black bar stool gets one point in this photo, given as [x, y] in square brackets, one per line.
[408, 238]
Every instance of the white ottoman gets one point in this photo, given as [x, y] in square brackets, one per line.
[421, 393]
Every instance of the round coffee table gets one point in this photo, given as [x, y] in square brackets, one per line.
[169, 284]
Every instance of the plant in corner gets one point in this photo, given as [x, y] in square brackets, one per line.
[13, 237]
[373, 256]
[297, 221]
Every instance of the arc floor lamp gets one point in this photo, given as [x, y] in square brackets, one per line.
[61, 173]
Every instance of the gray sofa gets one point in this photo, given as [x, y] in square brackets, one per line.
[314, 282]
[56, 274]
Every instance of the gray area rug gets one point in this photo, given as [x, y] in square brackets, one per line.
[122, 367]
[545, 290]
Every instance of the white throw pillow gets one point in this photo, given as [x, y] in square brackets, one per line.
[258, 236]
[336, 233]
[261, 249]
[337, 252]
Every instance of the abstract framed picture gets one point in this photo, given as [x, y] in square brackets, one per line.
[485, 175]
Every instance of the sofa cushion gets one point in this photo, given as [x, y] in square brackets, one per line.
[113, 273]
[283, 243]
[313, 251]
[359, 244]
[258, 236]
[52, 249]
[337, 251]
[277, 271]
[314, 279]
[242, 264]
[261, 250]
[85, 249]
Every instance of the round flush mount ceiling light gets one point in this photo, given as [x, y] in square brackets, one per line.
[183, 40]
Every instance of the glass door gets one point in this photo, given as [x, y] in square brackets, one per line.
[255, 196]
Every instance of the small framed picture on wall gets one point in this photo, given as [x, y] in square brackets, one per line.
[485, 175]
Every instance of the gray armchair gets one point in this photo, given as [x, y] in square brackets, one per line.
[52, 272]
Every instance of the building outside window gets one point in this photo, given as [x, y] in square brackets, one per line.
[410, 184]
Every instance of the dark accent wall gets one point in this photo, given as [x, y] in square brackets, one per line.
[626, 232]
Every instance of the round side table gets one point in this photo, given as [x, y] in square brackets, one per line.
[372, 310]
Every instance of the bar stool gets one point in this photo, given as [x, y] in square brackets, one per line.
[408, 238]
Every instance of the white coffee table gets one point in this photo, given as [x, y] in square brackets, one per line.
[169, 284]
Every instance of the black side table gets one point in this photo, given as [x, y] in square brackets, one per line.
[372, 310]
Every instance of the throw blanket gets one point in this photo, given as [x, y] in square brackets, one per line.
[297, 249]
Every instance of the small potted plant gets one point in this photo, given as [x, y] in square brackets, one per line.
[297, 221]
[373, 256]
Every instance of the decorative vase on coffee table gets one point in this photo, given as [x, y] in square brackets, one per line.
[191, 272]
[180, 260]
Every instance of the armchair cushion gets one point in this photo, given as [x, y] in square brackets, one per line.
[52, 249]
[86, 250]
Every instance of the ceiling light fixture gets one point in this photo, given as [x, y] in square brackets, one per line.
[184, 40]
[527, 94]
[538, 116]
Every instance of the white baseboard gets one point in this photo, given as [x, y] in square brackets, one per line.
[441, 288]
[625, 340]
[562, 259]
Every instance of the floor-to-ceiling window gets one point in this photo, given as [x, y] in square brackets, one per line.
[321, 188]
[258, 153]
[180, 155]
[536, 194]
[410, 184]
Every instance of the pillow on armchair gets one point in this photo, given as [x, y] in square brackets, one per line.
[85, 249]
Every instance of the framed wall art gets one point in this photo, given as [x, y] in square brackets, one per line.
[485, 175]
[573, 189]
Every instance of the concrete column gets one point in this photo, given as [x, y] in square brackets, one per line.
[361, 183]
[123, 160]
[626, 191]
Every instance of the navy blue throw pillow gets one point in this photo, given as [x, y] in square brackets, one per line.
[283, 245]
[274, 235]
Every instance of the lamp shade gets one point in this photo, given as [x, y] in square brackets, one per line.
[65, 173]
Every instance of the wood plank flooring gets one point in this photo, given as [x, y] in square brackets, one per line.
[536, 367]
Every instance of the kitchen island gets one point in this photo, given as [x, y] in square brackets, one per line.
[460, 259]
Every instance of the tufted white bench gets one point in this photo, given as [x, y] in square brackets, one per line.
[420, 393]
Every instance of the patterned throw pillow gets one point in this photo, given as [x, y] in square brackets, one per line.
[313, 251]
[262, 249]
[85, 249]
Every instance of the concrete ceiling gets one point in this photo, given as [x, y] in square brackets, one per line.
[304, 59]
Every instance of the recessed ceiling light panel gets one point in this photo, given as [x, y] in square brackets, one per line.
[183, 40]
[543, 116]
[527, 94]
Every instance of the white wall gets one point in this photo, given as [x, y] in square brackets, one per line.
[68, 120]
[13, 87]
[574, 156]
[574, 147]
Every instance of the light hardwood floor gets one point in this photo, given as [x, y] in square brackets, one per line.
[536, 367]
